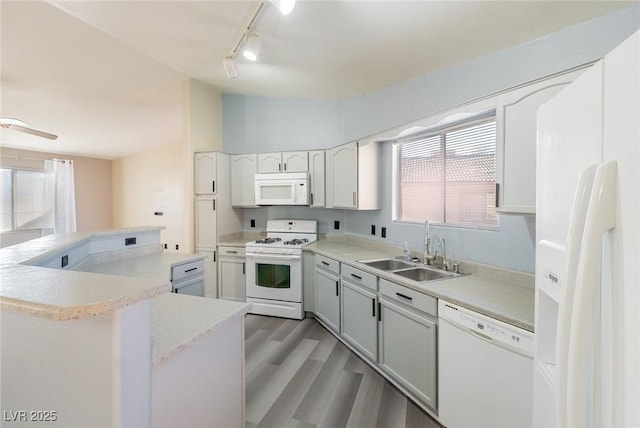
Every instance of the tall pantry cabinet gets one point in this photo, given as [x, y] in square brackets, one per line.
[214, 216]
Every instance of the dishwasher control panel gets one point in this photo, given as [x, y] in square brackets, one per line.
[486, 328]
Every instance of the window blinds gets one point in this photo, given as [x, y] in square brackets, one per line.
[450, 176]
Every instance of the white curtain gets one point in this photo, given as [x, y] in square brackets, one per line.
[62, 190]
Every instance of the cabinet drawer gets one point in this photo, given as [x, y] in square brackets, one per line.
[360, 277]
[409, 297]
[231, 251]
[328, 264]
[187, 270]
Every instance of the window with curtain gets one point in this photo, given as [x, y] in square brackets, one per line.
[25, 203]
[37, 197]
[448, 176]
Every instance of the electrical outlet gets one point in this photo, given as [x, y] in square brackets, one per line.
[336, 225]
[158, 213]
[165, 246]
[253, 222]
[383, 232]
[64, 261]
[177, 246]
[373, 229]
[130, 241]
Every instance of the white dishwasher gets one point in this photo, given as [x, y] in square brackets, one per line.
[485, 371]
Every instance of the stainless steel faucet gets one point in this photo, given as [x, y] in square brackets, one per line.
[445, 262]
[427, 256]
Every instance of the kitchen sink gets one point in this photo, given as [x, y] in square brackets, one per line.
[422, 274]
[387, 264]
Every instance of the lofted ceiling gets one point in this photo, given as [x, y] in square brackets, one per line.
[107, 76]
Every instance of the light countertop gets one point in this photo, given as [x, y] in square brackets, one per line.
[154, 266]
[31, 251]
[506, 295]
[179, 320]
[61, 294]
[64, 295]
[240, 239]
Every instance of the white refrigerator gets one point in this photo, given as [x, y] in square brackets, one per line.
[587, 323]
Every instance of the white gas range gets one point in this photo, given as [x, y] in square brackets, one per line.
[274, 268]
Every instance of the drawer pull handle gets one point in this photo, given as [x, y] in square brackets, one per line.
[191, 270]
[325, 263]
[403, 296]
[356, 276]
[232, 252]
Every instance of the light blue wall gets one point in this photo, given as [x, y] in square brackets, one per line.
[259, 124]
[407, 101]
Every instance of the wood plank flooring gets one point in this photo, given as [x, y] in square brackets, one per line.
[299, 375]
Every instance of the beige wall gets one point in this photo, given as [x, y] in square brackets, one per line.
[152, 181]
[127, 191]
[92, 179]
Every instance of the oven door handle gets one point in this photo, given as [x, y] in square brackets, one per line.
[273, 256]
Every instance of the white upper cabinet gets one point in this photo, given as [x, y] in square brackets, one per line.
[316, 178]
[283, 162]
[243, 174]
[516, 116]
[205, 173]
[353, 176]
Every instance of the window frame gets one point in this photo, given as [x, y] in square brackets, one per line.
[14, 192]
[440, 129]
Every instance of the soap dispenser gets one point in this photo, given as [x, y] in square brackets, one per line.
[406, 254]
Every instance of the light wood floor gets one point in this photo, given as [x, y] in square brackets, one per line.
[299, 375]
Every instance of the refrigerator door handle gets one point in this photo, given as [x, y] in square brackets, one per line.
[601, 217]
[574, 243]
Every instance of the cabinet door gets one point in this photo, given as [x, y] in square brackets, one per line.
[210, 272]
[243, 175]
[342, 176]
[270, 162]
[232, 278]
[328, 298]
[295, 162]
[205, 173]
[516, 122]
[408, 350]
[206, 233]
[359, 318]
[316, 178]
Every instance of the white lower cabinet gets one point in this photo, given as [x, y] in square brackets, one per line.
[408, 346]
[231, 273]
[359, 318]
[328, 292]
[392, 326]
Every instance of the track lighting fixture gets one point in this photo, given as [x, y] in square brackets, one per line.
[251, 40]
[252, 47]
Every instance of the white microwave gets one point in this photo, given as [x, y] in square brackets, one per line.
[282, 189]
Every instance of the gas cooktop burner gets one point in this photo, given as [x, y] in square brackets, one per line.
[268, 241]
[296, 241]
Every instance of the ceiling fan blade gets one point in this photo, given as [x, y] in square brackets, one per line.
[33, 132]
[5, 122]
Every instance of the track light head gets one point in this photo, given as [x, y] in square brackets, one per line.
[285, 6]
[252, 47]
[230, 68]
